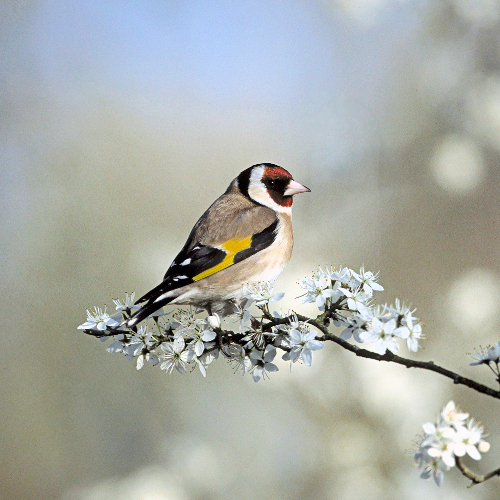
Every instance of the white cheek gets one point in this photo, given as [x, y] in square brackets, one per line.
[259, 194]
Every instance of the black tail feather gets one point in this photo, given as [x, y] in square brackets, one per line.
[154, 293]
[145, 311]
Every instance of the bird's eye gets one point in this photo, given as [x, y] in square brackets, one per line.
[271, 183]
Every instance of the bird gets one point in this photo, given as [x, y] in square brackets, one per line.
[244, 237]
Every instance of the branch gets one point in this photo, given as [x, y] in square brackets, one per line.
[344, 299]
[476, 479]
[410, 363]
[319, 323]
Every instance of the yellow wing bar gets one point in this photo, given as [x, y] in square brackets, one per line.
[231, 247]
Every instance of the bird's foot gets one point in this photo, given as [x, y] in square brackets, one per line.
[220, 341]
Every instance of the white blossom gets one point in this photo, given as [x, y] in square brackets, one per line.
[135, 343]
[132, 350]
[343, 276]
[262, 294]
[152, 358]
[302, 345]
[201, 337]
[140, 362]
[184, 321]
[452, 416]
[242, 313]
[411, 331]
[441, 444]
[355, 298]
[358, 323]
[450, 437]
[433, 467]
[367, 281]
[99, 320]
[320, 290]
[262, 362]
[238, 358]
[128, 304]
[467, 439]
[173, 355]
[116, 346]
[188, 339]
[205, 359]
[490, 355]
[214, 321]
[382, 334]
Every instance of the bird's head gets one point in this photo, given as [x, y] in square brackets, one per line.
[270, 185]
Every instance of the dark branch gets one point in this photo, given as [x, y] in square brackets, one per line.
[410, 363]
[476, 479]
[321, 323]
[391, 357]
[262, 334]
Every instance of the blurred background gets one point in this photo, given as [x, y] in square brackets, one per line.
[121, 121]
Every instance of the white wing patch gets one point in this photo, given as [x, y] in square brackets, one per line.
[177, 278]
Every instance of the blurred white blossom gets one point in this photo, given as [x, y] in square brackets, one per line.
[490, 355]
[452, 435]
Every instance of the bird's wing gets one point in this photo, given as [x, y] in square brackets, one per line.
[230, 231]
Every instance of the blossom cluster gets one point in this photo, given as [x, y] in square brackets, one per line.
[347, 298]
[182, 340]
[453, 436]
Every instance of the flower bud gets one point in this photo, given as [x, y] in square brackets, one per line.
[214, 321]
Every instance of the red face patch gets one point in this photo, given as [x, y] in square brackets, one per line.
[274, 172]
[276, 180]
[284, 201]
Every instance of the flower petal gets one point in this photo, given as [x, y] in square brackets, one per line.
[307, 357]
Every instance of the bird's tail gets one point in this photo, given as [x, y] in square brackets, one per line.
[155, 299]
[145, 311]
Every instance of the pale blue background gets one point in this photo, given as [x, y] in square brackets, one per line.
[120, 122]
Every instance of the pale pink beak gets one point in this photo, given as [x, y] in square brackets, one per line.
[295, 188]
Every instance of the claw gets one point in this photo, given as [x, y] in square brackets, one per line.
[221, 344]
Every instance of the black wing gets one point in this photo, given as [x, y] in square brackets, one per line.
[202, 260]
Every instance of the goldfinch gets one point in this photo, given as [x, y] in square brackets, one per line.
[245, 237]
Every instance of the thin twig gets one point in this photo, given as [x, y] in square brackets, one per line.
[475, 479]
[411, 363]
[321, 323]
[388, 356]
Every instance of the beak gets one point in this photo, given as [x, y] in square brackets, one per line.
[295, 188]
